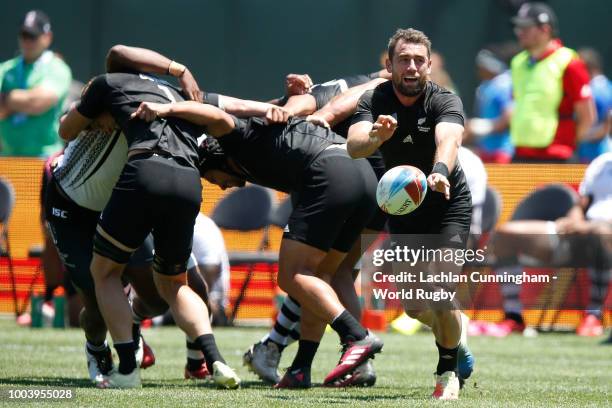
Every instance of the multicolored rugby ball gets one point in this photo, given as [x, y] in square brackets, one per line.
[401, 190]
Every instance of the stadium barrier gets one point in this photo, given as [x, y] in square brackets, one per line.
[513, 181]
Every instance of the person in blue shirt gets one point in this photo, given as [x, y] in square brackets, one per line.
[489, 130]
[597, 140]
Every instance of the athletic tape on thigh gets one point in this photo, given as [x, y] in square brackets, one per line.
[107, 249]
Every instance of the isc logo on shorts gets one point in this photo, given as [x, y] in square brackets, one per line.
[59, 213]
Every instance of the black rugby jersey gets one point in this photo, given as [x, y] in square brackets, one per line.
[324, 92]
[413, 142]
[122, 93]
[277, 155]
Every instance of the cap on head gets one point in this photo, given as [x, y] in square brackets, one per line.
[36, 23]
[531, 14]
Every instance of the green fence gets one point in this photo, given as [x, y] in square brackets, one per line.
[245, 47]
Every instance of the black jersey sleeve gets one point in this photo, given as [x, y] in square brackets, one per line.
[364, 110]
[231, 141]
[93, 101]
[356, 80]
[447, 107]
[282, 101]
[322, 94]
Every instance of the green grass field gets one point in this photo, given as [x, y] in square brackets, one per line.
[551, 370]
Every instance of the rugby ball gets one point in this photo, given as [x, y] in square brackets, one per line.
[401, 190]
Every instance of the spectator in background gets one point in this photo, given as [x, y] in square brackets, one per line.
[476, 177]
[490, 129]
[562, 243]
[597, 140]
[439, 75]
[553, 109]
[32, 90]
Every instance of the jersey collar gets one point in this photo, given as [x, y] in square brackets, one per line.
[554, 46]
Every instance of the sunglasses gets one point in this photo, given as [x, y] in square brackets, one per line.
[28, 36]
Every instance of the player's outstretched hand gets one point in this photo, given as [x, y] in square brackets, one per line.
[297, 84]
[190, 86]
[148, 111]
[438, 182]
[384, 127]
[276, 114]
[318, 120]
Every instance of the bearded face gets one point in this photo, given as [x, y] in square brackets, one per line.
[410, 68]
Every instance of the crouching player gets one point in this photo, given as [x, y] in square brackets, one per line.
[312, 164]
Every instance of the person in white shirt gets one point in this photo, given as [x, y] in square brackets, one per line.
[209, 258]
[563, 242]
[476, 175]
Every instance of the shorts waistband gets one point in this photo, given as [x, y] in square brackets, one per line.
[56, 184]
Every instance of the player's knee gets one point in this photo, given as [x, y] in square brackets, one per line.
[285, 282]
[104, 268]
[288, 281]
[169, 278]
[167, 287]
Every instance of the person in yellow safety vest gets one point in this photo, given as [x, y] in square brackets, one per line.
[553, 108]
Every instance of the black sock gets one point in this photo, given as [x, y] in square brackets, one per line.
[206, 343]
[305, 354]
[447, 359]
[515, 316]
[193, 363]
[127, 357]
[103, 356]
[294, 334]
[348, 328]
[280, 346]
[136, 333]
[97, 349]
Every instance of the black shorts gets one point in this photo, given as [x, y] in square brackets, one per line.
[155, 195]
[447, 218]
[72, 228]
[335, 202]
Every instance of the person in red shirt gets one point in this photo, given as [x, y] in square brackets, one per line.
[536, 30]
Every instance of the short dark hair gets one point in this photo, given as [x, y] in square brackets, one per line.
[409, 35]
[211, 156]
[591, 58]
